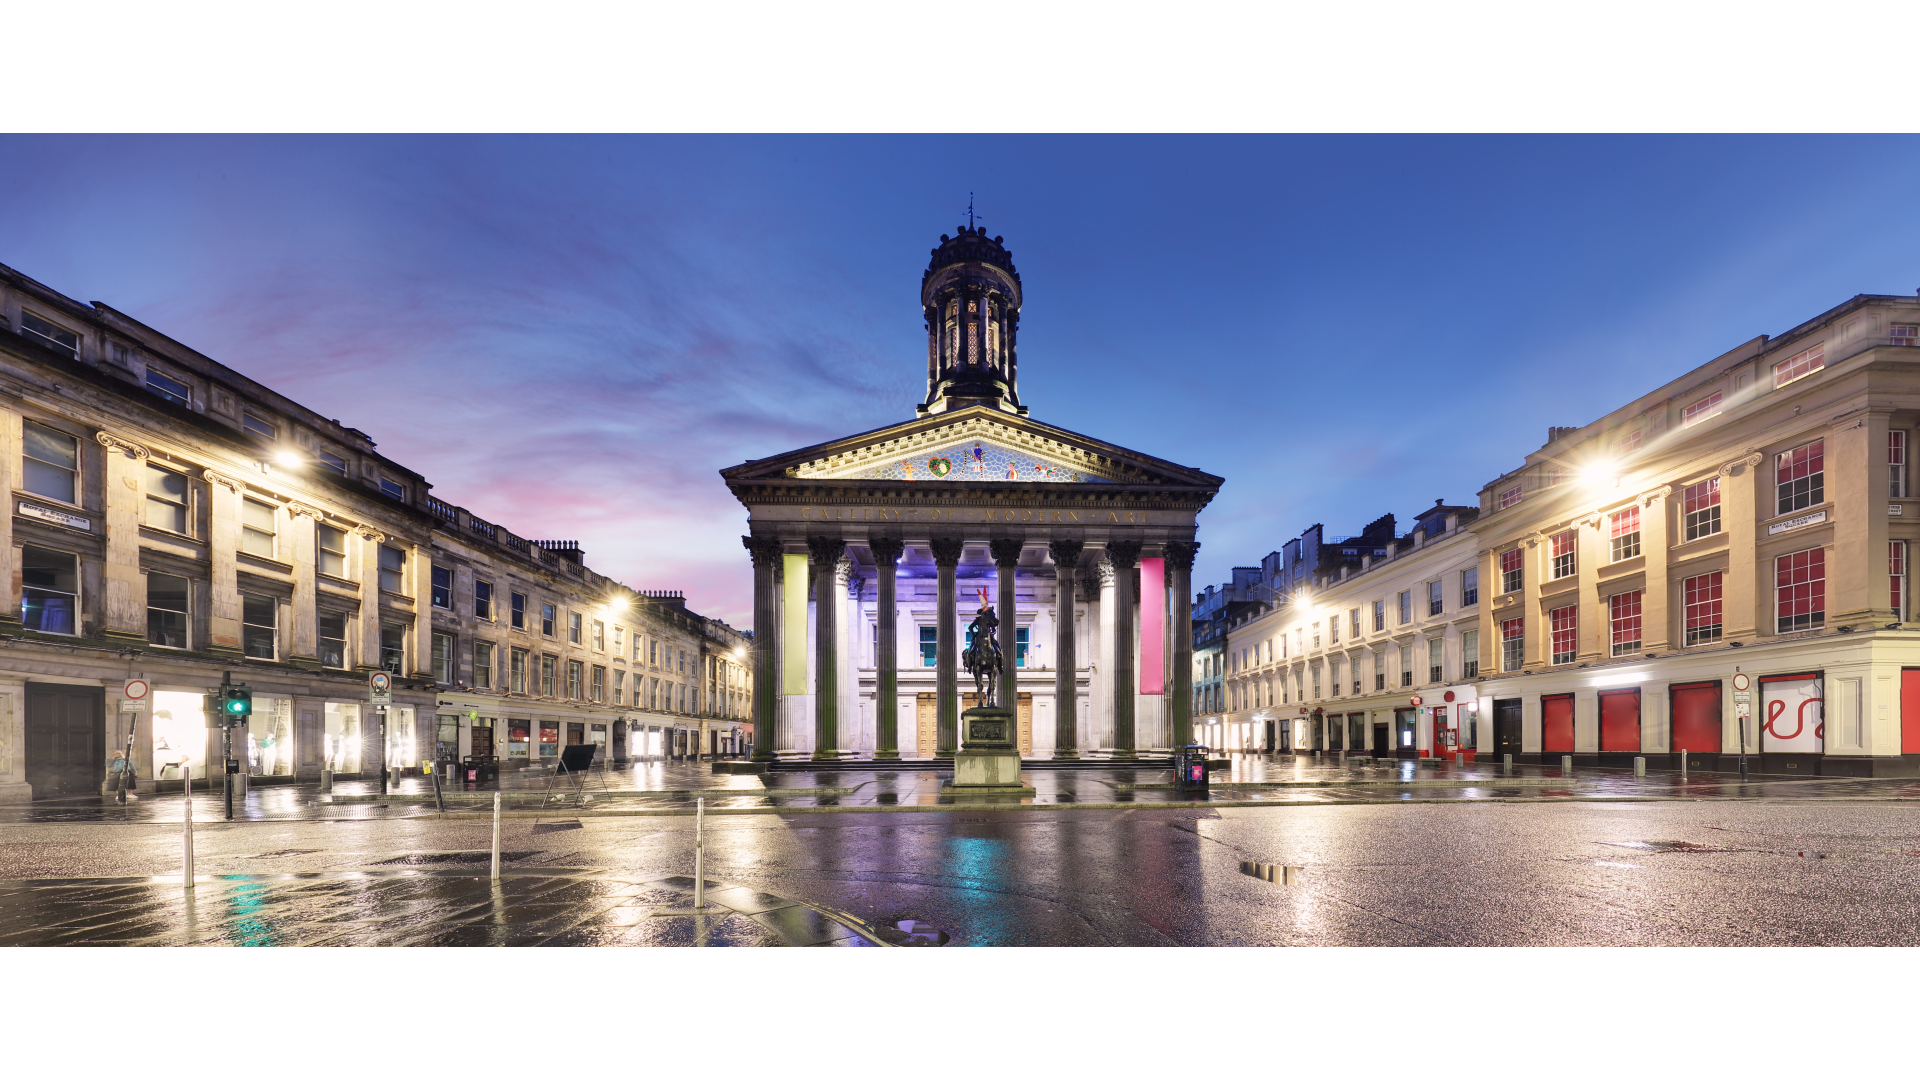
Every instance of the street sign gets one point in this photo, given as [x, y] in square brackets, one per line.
[1416, 701]
[1742, 681]
[1743, 709]
[379, 697]
[136, 689]
[380, 682]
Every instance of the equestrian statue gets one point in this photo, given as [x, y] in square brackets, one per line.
[982, 657]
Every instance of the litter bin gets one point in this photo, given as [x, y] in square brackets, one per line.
[1190, 769]
[480, 770]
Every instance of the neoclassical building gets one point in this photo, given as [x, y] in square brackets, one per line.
[871, 553]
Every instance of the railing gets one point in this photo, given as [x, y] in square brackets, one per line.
[483, 528]
[441, 510]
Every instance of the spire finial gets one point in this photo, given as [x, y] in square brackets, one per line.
[969, 210]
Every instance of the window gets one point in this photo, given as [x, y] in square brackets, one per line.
[1897, 464]
[653, 650]
[1333, 679]
[1700, 598]
[548, 666]
[1799, 366]
[483, 600]
[1406, 606]
[1436, 659]
[1020, 647]
[259, 427]
[333, 639]
[1333, 632]
[1700, 509]
[517, 670]
[1704, 409]
[1558, 475]
[393, 489]
[258, 526]
[333, 550]
[331, 462]
[167, 611]
[573, 627]
[166, 506]
[548, 616]
[599, 636]
[1623, 621]
[1800, 477]
[393, 569]
[1379, 615]
[620, 638]
[1564, 563]
[1800, 583]
[1628, 441]
[1379, 669]
[170, 388]
[393, 648]
[1511, 574]
[1623, 530]
[1353, 624]
[443, 658]
[517, 610]
[1316, 643]
[1510, 496]
[599, 683]
[1564, 625]
[50, 591]
[575, 669]
[258, 616]
[1897, 578]
[1470, 586]
[1907, 334]
[442, 588]
[1435, 604]
[50, 464]
[1316, 683]
[1406, 665]
[619, 687]
[483, 665]
[53, 337]
[1470, 654]
[1513, 644]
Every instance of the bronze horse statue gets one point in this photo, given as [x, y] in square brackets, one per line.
[982, 658]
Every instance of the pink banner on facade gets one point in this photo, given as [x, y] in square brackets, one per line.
[1153, 626]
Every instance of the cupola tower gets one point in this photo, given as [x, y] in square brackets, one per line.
[970, 297]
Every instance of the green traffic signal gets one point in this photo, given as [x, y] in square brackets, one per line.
[238, 701]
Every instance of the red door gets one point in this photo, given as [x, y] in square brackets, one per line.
[1910, 710]
[1620, 721]
[1696, 718]
[1556, 724]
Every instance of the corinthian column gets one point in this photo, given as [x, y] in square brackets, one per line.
[1180, 581]
[886, 662]
[826, 671]
[766, 555]
[1125, 555]
[1066, 668]
[1006, 560]
[946, 557]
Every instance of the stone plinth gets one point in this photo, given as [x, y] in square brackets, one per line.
[988, 760]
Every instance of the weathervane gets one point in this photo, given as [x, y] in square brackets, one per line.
[969, 210]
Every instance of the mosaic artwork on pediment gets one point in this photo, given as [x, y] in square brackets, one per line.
[962, 458]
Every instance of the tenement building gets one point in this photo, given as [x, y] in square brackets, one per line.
[872, 553]
[174, 522]
[1720, 565]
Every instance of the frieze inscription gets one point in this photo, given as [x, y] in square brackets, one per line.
[972, 514]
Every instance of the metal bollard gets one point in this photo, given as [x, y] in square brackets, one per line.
[1639, 768]
[1459, 759]
[186, 863]
[326, 780]
[1506, 763]
[699, 854]
[1683, 764]
[496, 836]
[1566, 765]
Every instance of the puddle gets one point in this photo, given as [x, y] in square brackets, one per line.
[439, 858]
[1279, 875]
[288, 851]
[921, 934]
[1656, 845]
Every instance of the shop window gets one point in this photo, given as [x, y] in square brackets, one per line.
[517, 671]
[50, 463]
[1700, 597]
[167, 611]
[1470, 654]
[1564, 562]
[166, 505]
[1623, 534]
[1513, 644]
[1800, 584]
[440, 592]
[393, 569]
[1623, 621]
[333, 550]
[259, 615]
[1700, 509]
[333, 639]
[483, 665]
[443, 658]
[549, 738]
[393, 648]
[517, 741]
[1512, 572]
[1800, 477]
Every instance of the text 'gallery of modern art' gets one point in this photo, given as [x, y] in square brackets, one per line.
[871, 553]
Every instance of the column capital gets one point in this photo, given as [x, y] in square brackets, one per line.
[1006, 550]
[765, 550]
[1751, 460]
[1179, 554]
[1125, 554]
[126, 446]
[946, 550]
[886, 550]
[1066, 553]
[826, 549]
[1104, 571]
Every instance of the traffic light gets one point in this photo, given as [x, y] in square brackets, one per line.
[236, 704]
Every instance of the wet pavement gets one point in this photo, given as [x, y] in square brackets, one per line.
[1566, 871]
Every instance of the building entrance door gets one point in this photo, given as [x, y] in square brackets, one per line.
[1382, 742]
[66, 739]
[576, 734]
[482, 734]
[1403, 733]
[926, 724]
[1506, 726]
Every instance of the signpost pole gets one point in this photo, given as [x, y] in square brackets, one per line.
[1742, 708]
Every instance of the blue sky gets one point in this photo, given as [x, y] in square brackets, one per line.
[570, 336]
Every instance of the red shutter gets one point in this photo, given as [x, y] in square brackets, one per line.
[1556, 724]
[1696, 718]
[1620, 720]
[1910, 710]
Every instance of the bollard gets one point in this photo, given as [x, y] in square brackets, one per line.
[1506, 763]
[496, 836]
[186, 863]
[1566, 765]
[699, 854]
[1639, 768]
[1459, 759]
[326, 780]
[1683, 764]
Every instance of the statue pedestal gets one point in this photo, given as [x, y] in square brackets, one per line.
[989, 759]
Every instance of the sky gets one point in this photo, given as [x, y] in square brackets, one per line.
[571, 336]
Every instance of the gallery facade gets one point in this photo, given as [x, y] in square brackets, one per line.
[870, 554]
